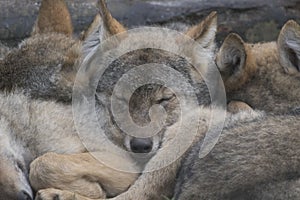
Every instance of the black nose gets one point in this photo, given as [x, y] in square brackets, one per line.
[141, 145]
[23, 195]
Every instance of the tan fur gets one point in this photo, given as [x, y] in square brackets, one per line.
[237, 106]
[245, 50]
[151, 185]
[289, 54]
[110, 23]
[156, 184]
[200, 32]
[51, 47]
[53, 17]
[264, 75]
[81, 173]
[44, 67]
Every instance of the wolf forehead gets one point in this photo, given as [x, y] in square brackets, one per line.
[135, 59]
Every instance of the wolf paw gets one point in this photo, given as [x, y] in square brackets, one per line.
[54, 194]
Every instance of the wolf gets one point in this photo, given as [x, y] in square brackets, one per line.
[36, 114]
[263, 75]
[50, 49]
[149, 185]
[257, 159]
[266, 76]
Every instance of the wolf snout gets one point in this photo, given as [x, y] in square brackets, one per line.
[141, 145]
[24, 195]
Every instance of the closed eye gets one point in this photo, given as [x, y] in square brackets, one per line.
[166, 99]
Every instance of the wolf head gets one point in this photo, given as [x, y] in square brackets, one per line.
[264, 75]
[13, 164]
[147, 96]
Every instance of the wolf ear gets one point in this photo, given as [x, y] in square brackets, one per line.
[53, 16]
[205, 32]
[289, 47]
[103, 27]
[232, 56]
[110, 25]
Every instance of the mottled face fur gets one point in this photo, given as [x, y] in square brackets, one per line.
[49, 73]
[264, 75]
[150, 94]
[147, 96]
[14, 186]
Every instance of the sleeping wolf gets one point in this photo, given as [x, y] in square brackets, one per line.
[152, 185]
[36, 114]
[264, 75]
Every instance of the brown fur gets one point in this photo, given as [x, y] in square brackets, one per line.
[237, 106]
[81, 173]
[150, 185]
[257, 159]
[264, 75]
[53, 17]
[44, 66]
[110, 23]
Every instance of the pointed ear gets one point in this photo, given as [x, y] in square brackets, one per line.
[111, 25]
[103, 27]
[289, 47]
[53, 16]
[231, 57]
[205, 32]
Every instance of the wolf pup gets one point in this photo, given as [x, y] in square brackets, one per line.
[264, 75]
[267, 77]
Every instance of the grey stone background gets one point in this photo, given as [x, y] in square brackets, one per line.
[254, 20]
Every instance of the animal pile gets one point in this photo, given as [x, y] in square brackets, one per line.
[44, 157]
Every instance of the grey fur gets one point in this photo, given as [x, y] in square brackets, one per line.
[263, 75]
[252, 160]
[259, 159]
[36, 92]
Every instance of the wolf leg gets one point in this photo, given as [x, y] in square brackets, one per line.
[54, 194]
[80, 173]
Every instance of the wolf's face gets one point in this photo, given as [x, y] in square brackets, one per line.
[14, 182]
[144, 98]
[264, 75]
[139, 106]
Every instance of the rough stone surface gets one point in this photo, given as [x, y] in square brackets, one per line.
[254, 20]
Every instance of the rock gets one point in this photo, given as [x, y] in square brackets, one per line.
[254, 20]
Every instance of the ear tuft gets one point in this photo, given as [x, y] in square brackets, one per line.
[289, 47]
[103, 27]
[205, 32]
[232, 56]
[110, 23]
